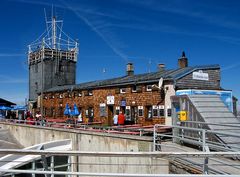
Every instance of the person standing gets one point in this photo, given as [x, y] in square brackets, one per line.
[80, 118]
[121, 118]
[115, 120]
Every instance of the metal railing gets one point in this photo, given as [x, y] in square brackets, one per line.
[156, 155]
[137, 131]
[202, 139]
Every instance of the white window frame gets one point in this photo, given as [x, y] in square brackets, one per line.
[149, 89]
[122, 90]
[134, 91]
[90, 93]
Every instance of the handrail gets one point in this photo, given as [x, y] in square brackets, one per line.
[200, 139]
[156, 154]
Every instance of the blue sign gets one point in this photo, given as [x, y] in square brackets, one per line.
[123, 103]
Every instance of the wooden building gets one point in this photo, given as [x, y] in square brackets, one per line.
[135, 95]
[139, 96]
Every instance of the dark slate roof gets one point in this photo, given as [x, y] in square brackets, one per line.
[4, 102]
[152, 77]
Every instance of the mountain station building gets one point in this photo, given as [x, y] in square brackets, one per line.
[143, 98]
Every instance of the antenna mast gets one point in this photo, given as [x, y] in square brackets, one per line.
[54, 35]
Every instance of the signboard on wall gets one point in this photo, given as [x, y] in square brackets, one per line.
[200, 75]
[123, 103]
[110, 100]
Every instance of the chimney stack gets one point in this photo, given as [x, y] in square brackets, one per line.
[161, 67]
[130, 70]
[183, 61]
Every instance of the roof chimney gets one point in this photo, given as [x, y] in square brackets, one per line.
[183, 61]
[161, 67]
[130, 70]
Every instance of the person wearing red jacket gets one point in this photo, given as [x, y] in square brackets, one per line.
[121, 119]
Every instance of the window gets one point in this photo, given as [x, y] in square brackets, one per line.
[161, 112]
[134, 88]
[140, 111]
[86, 113]
[128, 113]
[79, 94]
[155, 111]
[103, 110]
[90, 114]
[117, 110]
[149, 112]
[122, 90]
[149, 88]
[169, 112]
[90, 92]
[61, 95]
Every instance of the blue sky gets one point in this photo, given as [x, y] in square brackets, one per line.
[114, 32]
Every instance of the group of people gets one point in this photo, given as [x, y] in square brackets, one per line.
[38, 120]
[119, 119]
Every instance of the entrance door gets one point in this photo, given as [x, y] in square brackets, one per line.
[134, 114]
[110, 115]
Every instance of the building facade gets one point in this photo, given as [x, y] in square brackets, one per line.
[143, 98]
